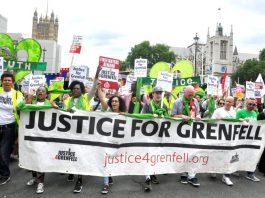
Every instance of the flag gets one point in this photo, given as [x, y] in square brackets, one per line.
[56, 89]
[223, 82]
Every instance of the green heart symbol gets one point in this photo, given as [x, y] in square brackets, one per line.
[31, 46]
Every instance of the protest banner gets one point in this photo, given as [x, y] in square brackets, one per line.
[140, 68]
[250, 89]
[165, 80]
[35, 82]
[78, 73]
[107, 143]
[109, 74]
[212, 85]
[176, 82]
[20, 65]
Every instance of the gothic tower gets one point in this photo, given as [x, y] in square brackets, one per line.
[45, 28]
[219, 52]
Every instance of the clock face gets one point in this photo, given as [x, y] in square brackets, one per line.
[223, 67]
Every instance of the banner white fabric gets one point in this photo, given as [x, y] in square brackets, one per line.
[102, 144]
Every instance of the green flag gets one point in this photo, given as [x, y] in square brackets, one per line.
[21, 74]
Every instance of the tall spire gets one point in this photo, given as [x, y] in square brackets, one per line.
[231, 33]
[208, 34]
[235, 51]
[47, 9]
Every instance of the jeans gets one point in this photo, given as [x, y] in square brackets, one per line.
[39, 177]
[106, 180]
[7, 135]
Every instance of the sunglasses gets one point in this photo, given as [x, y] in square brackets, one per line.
[221, 103]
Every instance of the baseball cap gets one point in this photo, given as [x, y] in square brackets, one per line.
[157, 89]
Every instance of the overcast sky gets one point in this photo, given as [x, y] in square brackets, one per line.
[111, 27]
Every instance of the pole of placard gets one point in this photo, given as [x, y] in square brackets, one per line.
[138, 96]
[72, 61]
[162, 99]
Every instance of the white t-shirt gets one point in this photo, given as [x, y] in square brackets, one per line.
[40, 103]
[6, 107]
[223, 113]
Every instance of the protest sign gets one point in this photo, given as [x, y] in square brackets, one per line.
[212, 85]
[129, 80]
[250, 89]
[35, 82]
[165, 80]
[259, 89]
[78, 73]
[106, 143]
[140, 68]
[76, 44]
[240, 91]
[109, 74]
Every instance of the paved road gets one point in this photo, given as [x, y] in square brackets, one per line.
[132, 187]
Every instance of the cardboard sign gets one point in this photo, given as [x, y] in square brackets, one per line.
[109, 74]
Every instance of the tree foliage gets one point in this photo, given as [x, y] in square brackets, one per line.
[153, 54]
[262, 55]
[249, 71]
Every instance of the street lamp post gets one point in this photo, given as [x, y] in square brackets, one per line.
[196, 39]
[44, 52]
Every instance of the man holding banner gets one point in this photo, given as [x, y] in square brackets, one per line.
[154, 106]
[188, 109]
[246, 115]
[9, 98]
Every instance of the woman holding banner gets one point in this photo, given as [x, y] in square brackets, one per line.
[115, 104]
[79, 100]
[41, 94]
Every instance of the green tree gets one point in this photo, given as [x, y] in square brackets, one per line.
[249, 71]
[153, 54]
[262, 55]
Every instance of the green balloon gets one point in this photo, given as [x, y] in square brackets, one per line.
[32, 47]
[7, 42]
[156, 68]
[185, 67]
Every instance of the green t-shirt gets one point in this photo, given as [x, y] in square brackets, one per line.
[243, 113]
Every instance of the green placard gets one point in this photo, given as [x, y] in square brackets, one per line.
[20, 65]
